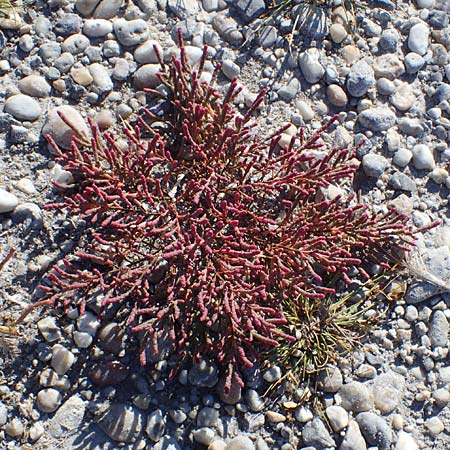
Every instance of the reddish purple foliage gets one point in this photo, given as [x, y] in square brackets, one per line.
[200, 229]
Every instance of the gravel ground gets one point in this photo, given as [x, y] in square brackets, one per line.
[73, 383]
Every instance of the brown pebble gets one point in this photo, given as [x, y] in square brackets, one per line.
[109, 373]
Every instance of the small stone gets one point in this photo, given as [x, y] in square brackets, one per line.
[184, 8]
[131, 32]
[250, 9]
[268, 36]
[204, 436]
[207, 417]
[388, 66]
[82, 340]
[35, 86]
[60, 131]
[330, 379]
[337, 95]
[439, 175]
[156, 425]
[423, 158]
[397, 421]
[314, 433]
[8, 201]
[75, 44]
[122, 423]
[389, 40]
[233, 396]
[385, 86]
[303, 414]
[375, 430]
[310, 66]
[23, 107]
[418, 38]
[147, 52]
[374, 165]
[388, 391]
[275, 417]
[62, 359]
[14, 428]
[88, 323]
[107, 9]
[48, 400]
[96, 28]
[36, 431]
[240, 443]
[3, 414]
[305, 110]
[338, 417]
[366, 371]
[68, 24]
[439, 329]
[360, 79]
[350, 53]
[413, 62]
[273, 374]
[434, 426]
[441, 397]
[355, 397]
[62, 177]
[410, 126]
[404, 97]
[101, 79]
[353, 439]
[377, 119]
[110, 337]
[402, 157]
[231, 70]
[49, 329]
[203, 374]
[147, 76]
[338, 33]
[406, 442]
[254, 401]
[64, 63]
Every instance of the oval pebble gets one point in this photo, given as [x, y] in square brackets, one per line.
[48, 400]
[23, 107]
[8, 201]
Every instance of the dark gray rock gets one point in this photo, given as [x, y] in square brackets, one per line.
[315, 433]
[375, 430]
[250, 9]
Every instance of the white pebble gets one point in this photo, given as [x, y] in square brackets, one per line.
[8, 201]
[406, 442]
[62, 359]
[48, 400]
[423, 158]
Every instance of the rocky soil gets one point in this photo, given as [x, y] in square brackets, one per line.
[384, 67]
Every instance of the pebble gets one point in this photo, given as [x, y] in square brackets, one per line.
[275, 417]
[3, 414]
[14, 428]
[110, 373]
[68, 24]
[402, 157]
[23, 107]
[49, 329]
[360, 79]
[36, 431]
[355, 397]
[68, 418]
[203, 373]
[330, 380]
[388, 391]
[110, 337]
[375, 430]
[305, 110]
[59, 131]
[97, 28]
[64, 62]
[388, 66]
[156, 425]
[310, 66]
[338, 33]
[147, 76]
[423, 158]
[441, 397]
[406, 442]
[303, 414]
[101, 79]
[254, 401]
[434, 426]
[413, 62]
[122, 423]
[389, 40]
[411, 126]
[48, 400]
[338, 417]
[377, 119]
[8, 201]
[62, 359]
[404, 97]
[439, 328]
[374, 165]
[337, 95]
[273, 374]
[231, 70]
[204, 436]
[75, 44]
[34, 86]
[207, 417]
[107, 9]
[81, 76]
[132, 32]
[385, 86]
[315, 434]
[240, 443]
[418, 38]
[147, 52]
[353, 439]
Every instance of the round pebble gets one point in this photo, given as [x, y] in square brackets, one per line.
[48, 400]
